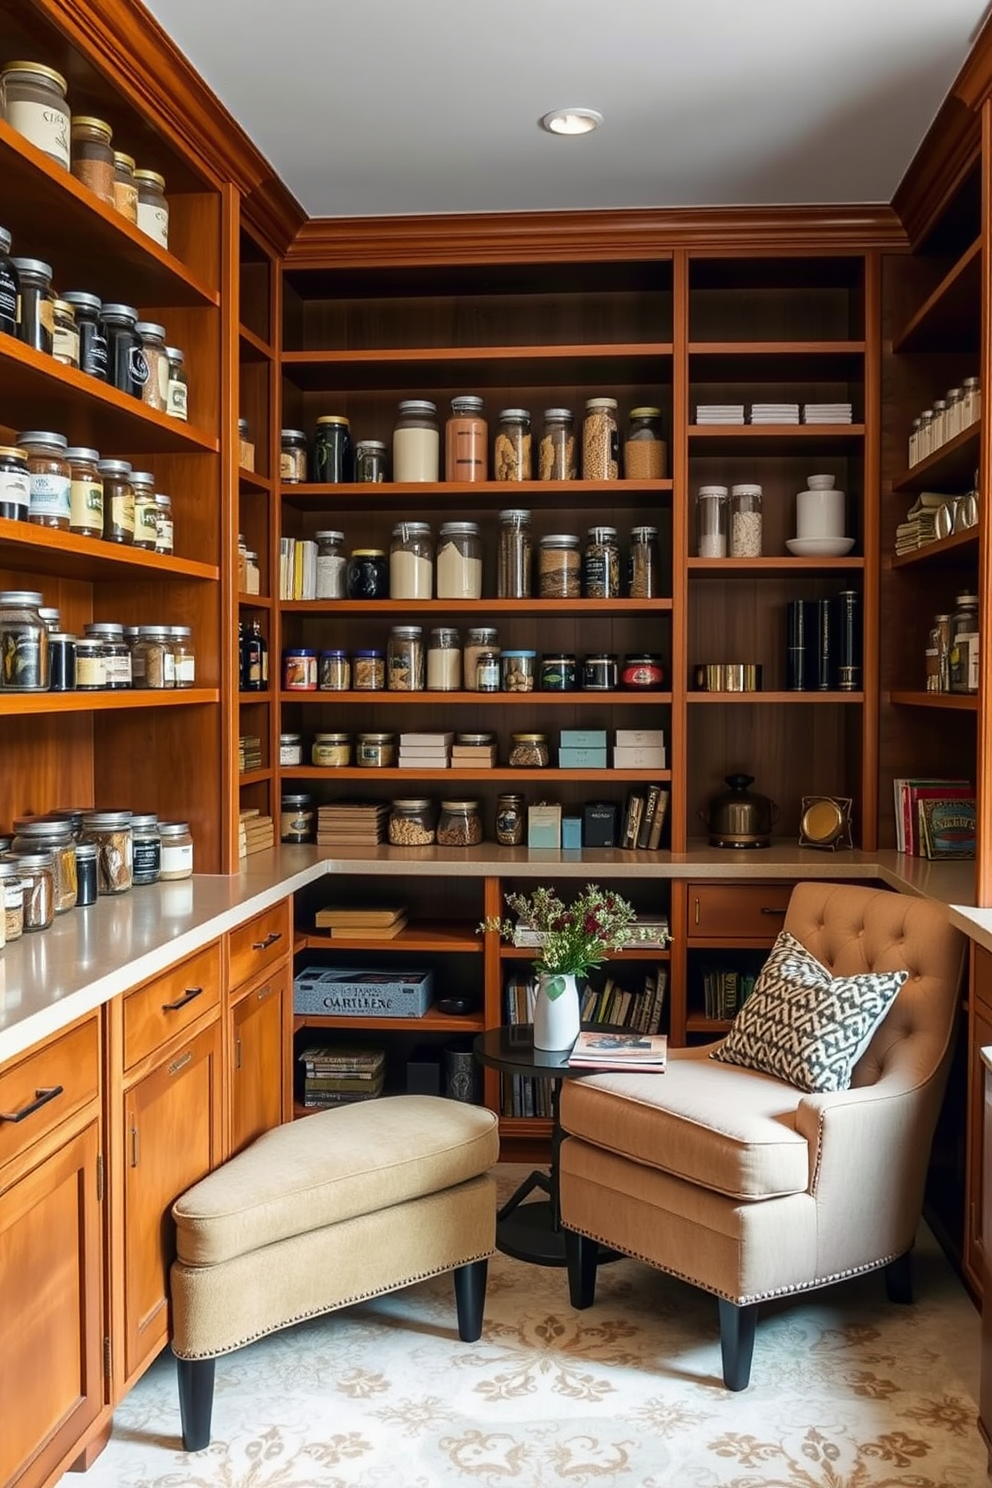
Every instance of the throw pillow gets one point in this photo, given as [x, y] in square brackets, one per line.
[804, 1025]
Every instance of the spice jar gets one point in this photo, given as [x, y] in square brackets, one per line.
[517, 670]
[745, 521]
[152, 661]
[330, 751]
[600, 672]
[466, 441]
[118, 501]
[416, 441]
[177, 851]
[514, 559]
[480, 638]
[411, 822]
[601, 564]
[34, 834]
[145, 510]
[487, 674]
[23, 642]
[146, 849]
[127, 369]
[92, 157]
[711, 522]
[34, 105]
[444, 660]
[36, 321]
[36, 871]
[184, 655]
[86, 874]
[644, 449]
[512, 449]
[65, 336]
[529, 751]
[368, 574]
[163, 523]
[8, 287]
[49, 478]
[91, 665]
[556, 453]
[376, 751]
[600, 440]
[125, 191]
[15, 484]
[116, 653]
[332, 565]
[293, 457]
[299, 669]
[405, 659]
[411, 561]
[332, 461]
[644, 564]
[964, 622]
[61, 661]
[297, 817]
[334, 670]
[153, 209]
[111, 831]
[459, 824]
[290, 749]
[559, 566]
[368, 670]
[92, 341]
[85, 492]
[459, 561]
[155, 389]
[558, 672]
[370, 461]
[177, 385]
[510, 819]
[11, 900]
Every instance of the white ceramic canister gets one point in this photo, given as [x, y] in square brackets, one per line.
[820, 509]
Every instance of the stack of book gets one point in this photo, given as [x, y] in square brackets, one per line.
[425, 751]
[774, 413]
[297, 568]
[255, 832]
[644, 817]
[345, 922]
[920, 526]
[827, 413]
[623, 1008]
[720, 413]
[934, 818]
[352, 823]
[640, 1053]
[725, 990]
[335, 1075]
[249, 752]
[473, 756]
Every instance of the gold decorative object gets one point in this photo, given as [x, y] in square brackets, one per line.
[826, 822]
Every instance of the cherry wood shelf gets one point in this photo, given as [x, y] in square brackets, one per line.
[965, 702]
[775, 697]
[954, 464]
[254, 601]
[430, 496]
[772, 438]
[253, 777]
[533, 606]
[250, 480]
[773, 564]
[251, 347]
[960, 546]
[27, 547]
[637, 696]
[503, 774]
[631, 953]
[418, 935]
[482, 366]
[247, 698]
[21, 703]
[430, 1022]
[946, 320]
[779, 361]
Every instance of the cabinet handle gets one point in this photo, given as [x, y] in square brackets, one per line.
[697, 910]
[270, 939]
[42, 1097]
[767, 909]
[237, 1052]
[188, 995]
[181, 1062]
[134, 1145]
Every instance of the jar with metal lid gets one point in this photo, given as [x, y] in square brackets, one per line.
[155, 388]
[368, 574]
[153, 208]
[145, 510]
[9, 289]
[116, 653]
[376, 751]
[65, 336]
[177, 851]
[964, 621]
[24, 664]
[290, 749]
[39, 834]
[332, 458]
[458, 573]
[127, 369]
[36, 870]
[480, 638]
[125, 191]
[368, 670]
[601, 564]
[85, 491]
[411, 822]
[952, 413]
[184, 655]
[92, 157]
[444, 660]
[971, 401]
[330, 751]
[62, 661]
[334, 670]
[11, 899]
[411, 561]
[370, 462]
[600, 440]
[559, 566]
[87, 889]
[518, 671]
[644, 450]
[297, 817]
[152, 660]
[512, 447]
[118, 501]
[111, 831]
[164, 529]
[459, 824]
[529, 751]
[644, 564]
[91, 665]
[405, 659]
[510, 819]
[299, 669]
[466, 440]
[487, 673]
[92, 341]
[558, 672]
[711, 522]
[177, 385]
[34, 105]
[146, 848]
[745, 521]
[556, 453]
[36, 320]
[49, 478]
[332, 565]
[15, 484]
[513, 573]
[600, 672]
[642, 671]
[416, 441]
[293, 457]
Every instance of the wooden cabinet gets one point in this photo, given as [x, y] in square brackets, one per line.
[975, 1252]
[727, 932]
[260, 1024]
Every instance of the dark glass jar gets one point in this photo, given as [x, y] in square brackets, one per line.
[86, 874]
[62, 661]
[558, 672]
[126, 366]
[370, 461]
[510, 820]
[146, 849]
[600, 672]
[8, 286]
[118, 501]
[332, 459]
[368, 574]
[37, 320]
[92, 341]
[15, 484]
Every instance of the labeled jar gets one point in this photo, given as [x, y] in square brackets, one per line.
[145, 510]
[334, 670]
[297, 817]
[405, 659]
[411, 822]
[416, 441]
[330, 751]
[479, 638]
[601, 564]
[24, 665]
[36, 319]
[458, 572]
[370, 462]
[61, 661]
[299, 669]
[146, 849]
[34, 105]
[155, 389]
[49, 478]
[87, 888]
[111, 832]
[164, 528]
[745, 521]
[518, 671]
[92, 341]
[529, 751]
[711, 522]
[368, 574]
[125, 190]
[510, 819]
[290, 749]
[85, 492]
[559, 566]
[153, 208]
[600, 672]
[556, 459]
[36, 871]
[152, 660]
[411, 561]
[11, 900]
[118, 501]
[644, 564]
[513, 572]
[177, 851]
[368, 670]
[644, 450]
[92, 156]
[512, 448]
[332, 459]
[466, 441]
[184, 655]
[127, 369]
[43, 835]
[65, 335]
[642, 671]
[332, 565]
[91, 665]
[8, 286]
[459, 824]
[293, 457]
[444, 660]
[177, 385]
[376, 751]
[600, 440]
[116, 653]
[15, 484]
[487, 673]
[964, 622]
[558, 672]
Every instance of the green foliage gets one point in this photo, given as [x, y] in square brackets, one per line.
[574, 937]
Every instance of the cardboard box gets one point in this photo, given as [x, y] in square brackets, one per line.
[640, 738]
[544, 826]
[583, 739]
[362, 991]
[599, 824]
[581, 759]
[571, 833]
[638, 759]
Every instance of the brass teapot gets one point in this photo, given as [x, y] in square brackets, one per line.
[739, 817]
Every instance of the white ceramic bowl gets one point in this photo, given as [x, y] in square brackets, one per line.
[820, 482]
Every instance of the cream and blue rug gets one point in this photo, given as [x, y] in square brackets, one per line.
[847, 1391]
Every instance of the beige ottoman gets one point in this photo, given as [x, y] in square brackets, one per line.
[326, 1211]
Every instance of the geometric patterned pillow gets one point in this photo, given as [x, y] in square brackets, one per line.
[804, 1025]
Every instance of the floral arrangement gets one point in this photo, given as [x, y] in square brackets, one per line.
[573, 937]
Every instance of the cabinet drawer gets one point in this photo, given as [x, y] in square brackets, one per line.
[260, 942]
[31, 1101]
[737, 911]
[158, 1011]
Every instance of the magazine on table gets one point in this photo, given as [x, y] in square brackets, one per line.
[598, 1049]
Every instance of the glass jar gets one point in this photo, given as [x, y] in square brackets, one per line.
[65, 336]
[370, 462]
[405, 659]
[466, 441]
[177, 385]
[62, 661]
[293, 457]
[146, 849]
[601, 564]
[111, 831]
[368, 574]
[556, 452]
[411, 561]
[964, 621]
[600, 440]
[153, 208]
[116, 653]
[145, 510]
[184, 655]
[459, 824]
[299, 669]
[36, 871]
[971, 401]
[297, 818]
[711, 522]
[644, 450]
[510, 819]
[745, 521]
[512, 447]
[15, 484]
[559, 566]
[368, 670]
[11, 900]
[332, 459]
[480, 638]
[332, 565]
[8, 286]
[529, 752]
[177, 851]
[644, 564]
[85, 492]
[940, 644]
[558, 672]
[334, 671]
[411, 822]
[459, 561]
[952, 413]
[376, 751]
[416, 441]
[92, 157]
[36, 322]
[487, 674]
[125, 191]
[330, 751]
[24, 665]
[34, 105]
[91, 665]
[164, 528]
[518, 671]
[513, 574]
[600, 672]
[155, 389]
[127, 369]
[49, 478]
[290, 749]
[642, 671]
[444, 660]
[92, 341]
[43, 835]
[87, 889]
[152, 661]
[118, 501]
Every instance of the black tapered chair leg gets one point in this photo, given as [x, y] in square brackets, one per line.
[581, 1258]
[737, 1342]
[899, 1279]
[196, 1401]
[470, 1299]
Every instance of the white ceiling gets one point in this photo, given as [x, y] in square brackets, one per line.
[385, 106]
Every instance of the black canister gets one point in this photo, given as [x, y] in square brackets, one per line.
[368, 574]
[558, 672]
[86, 874]
[848, 640]
[821, 639]
[600, 672]
[795, 646]
[332, 460]
[8, 287]
[92, 341]
[61, 662]
[126, 366]
[36, 324]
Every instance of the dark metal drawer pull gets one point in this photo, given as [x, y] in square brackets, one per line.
[766, 909]
[42, 1097]
[263, 945]
[188, 995]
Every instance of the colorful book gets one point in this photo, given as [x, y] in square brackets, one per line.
[947, 826]
[600, 1050]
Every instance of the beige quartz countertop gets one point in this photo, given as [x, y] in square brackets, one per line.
[50, 978]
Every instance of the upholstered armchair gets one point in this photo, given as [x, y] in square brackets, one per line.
[743, 1184]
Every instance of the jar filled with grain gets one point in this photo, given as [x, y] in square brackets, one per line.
[745, 521]
[556, 453]
[11, 899]
[466, 441]
[600, 440]
[479, 638]
[411, 561]
[36, 870]
[411, 822]
[368, 670]
[518, 671]
[645, 451]
[711, 522]
[444, 660]
[333, 670]
[292, 457]
[405, 659]
[111, 831]
[529, 752]
[601, 564]
[459, 824]
[514, 557]
[560, 566]
[152, 662]
[331, 751]
[33, 834]
[92, 157]
[512, 447]
[416, 441]
[644, 564]
[155, 389]
[459, 561]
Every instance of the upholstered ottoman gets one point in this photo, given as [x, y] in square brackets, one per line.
[326, 1211]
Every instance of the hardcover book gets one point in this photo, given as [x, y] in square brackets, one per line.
[947, 826]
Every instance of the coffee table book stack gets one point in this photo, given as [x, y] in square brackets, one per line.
[335, 1075]
[363, 924]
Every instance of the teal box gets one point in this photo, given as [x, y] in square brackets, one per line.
[544, 826]
[582, 759]
[571, 832]
[583, 739]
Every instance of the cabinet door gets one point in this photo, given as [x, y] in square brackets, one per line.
[51, 1264]
[172, 1134]
[734, 912]
[259, 1059]
[979, 1037]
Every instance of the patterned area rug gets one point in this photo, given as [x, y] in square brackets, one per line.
[847, 1391]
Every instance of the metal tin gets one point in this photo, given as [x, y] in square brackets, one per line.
[558, 673]
[642, 671]
[600, 672]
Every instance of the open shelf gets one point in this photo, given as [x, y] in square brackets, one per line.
[482, 366]
[775, 697]
[960, 547]
[404, 608]
[773, 564]
[946, 321]
[953, 464]
[638, 697]
[21, 703]
[28, 547]
[962, 702]
[780, 439]
[419, 935]
[503, 774]
[251, 346]
[430, 496]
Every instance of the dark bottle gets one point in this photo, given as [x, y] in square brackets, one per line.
[9, 288]
[37, 314]
[251, 661]
[332, 455]
[127, 369]
[92, 341]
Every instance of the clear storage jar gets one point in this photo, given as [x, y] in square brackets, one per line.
[411, 822]
[91, 665]
[411, 561]
[376, 751]
[34, 105]
[49, 478]
[556, 453]
[711, 522]
[513, 574]
[36, 871]
[368, 670]
[36, 317]
[480, 638]
[458, 572]
[518, 671]
[600, 440]
[293, 457]
[405, 659]
[43, 835]
[510, 819]
[164, 526]
[370, 462]
[444, 660]
[529, 752]
[459, 824]
[332, 565]
[85, 492]
[153, 207]
[116, 653]
[416, 441]
[559, 566]
[184, 655]
[644, 451]
[24, 642]
[92, 156]
[145, 510]
[466, 440]
[155, 389]
[125, 190]
[601, 564]
[11, 900]
[291, 749]
[65, 335]
[177, 391]
[745, 521]
[512, 448]
[118, 501]
[152, 661]
[111, 832]
[333, 670]
[487, 674]
[15, 484]
[297, 818]
[644, 564]
[146, 848]
[177, 851]
[330, 751]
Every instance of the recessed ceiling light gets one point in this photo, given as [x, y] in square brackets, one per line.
[571, 121]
